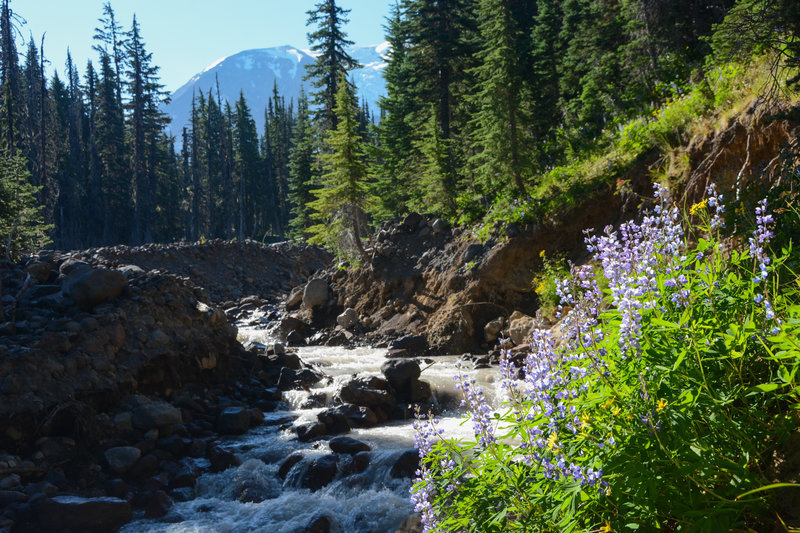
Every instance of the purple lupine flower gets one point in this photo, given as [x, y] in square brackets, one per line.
[479, 408]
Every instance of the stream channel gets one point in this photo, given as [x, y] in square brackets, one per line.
[370, 502]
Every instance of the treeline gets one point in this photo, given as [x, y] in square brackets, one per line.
[482, 97]
[104, 169]
[486, 95]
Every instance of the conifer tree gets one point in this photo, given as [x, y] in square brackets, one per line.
[21, 220]
[110, 40]
[146, 123]
[440, 54]
[332, 62]
[499, 117]
[341, 201]
[246, 158]
[302, 169]
[11, 115]
[395, 176]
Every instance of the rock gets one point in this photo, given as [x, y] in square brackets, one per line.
[288, 463]
[145, 467]
[400, 372]
[9, 482]
[318, 524]
[156, 414]
[173, 444]
[406, 464]
[39, 272]
[84, 514]
[131, 271]
[440, 225]
[367, 391]
[412, 220]
[492, 329]
[122, 458]
[295, 338]
[357, 416]
[359, 463]
[289, 360]
[519, 327]
[183, 478]
[295, 299]
[347, 445]
[89, 288]
[411, 345]
[233, 421]
[279, 349]
[472, 252]
[221, 459]
[348, 318]
[316, 293]
[420, 391]
[159, 505]
[412, 524]
[310, 431]
[335, 421]
[7, 497]
[73, 266]
[320, 472]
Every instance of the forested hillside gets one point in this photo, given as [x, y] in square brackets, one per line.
[491, 104]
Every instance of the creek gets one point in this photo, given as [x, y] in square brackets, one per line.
[252, 496]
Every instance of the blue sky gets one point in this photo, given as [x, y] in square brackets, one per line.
[187, 35]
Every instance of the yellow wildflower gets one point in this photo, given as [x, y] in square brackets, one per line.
[585, 420]
[606, 528]
[541, 254]
[541, 287]
[615, 411]
[608, 403]
[552, 442]
[662, 403]
[698, 206]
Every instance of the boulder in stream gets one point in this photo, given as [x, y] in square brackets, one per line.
[320, 472]
[347, 445]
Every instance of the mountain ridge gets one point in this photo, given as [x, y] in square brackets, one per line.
[254, 72]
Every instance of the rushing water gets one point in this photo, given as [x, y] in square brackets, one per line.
[370, 502]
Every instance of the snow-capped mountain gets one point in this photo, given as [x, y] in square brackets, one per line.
[255, 71]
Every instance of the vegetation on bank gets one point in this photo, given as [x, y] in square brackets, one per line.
[663, 404]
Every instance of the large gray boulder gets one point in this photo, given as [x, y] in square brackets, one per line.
[316, 293]
[89, 287]
[155, 415]
[122, 458]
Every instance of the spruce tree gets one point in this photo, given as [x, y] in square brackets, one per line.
[246, 158]
[332, 62]
[395, 176]
[342, 199]
[499, 120]
[146, 124]
[21, 221]
[302, 169]
[11, 112]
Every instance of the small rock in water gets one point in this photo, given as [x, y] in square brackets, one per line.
[288, 463]
[319, 524]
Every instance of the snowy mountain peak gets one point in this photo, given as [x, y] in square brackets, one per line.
[255, 71]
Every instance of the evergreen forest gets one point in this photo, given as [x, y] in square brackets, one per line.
[486, 101]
